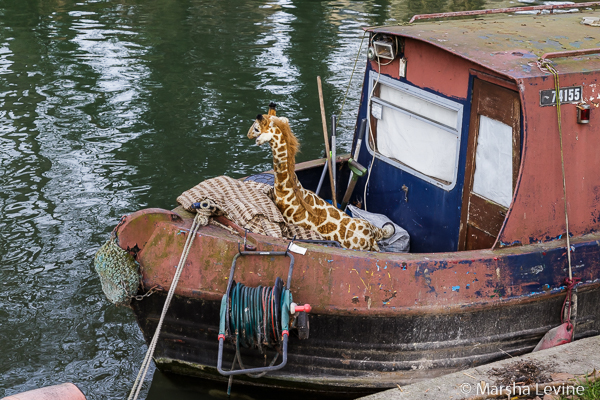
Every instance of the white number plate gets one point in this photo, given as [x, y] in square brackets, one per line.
[573, 94]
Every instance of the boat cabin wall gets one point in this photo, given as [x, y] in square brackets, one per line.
[537, 213]
[428, 208]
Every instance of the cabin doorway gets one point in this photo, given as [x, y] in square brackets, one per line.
[493, 158]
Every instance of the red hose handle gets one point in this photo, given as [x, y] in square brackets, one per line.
[305, 308]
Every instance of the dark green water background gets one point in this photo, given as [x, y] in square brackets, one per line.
[107, 107]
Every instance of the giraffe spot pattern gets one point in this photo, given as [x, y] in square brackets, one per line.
[335, 214]
[327, 228]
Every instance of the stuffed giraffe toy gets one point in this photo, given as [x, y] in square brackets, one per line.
[300, 206]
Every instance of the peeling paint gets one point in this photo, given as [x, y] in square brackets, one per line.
[537, 269]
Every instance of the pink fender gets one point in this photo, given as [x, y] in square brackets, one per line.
[562, 334]
[65, 391]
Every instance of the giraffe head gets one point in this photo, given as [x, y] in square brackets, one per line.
[265, 126]
[261, 125]
[262, 129]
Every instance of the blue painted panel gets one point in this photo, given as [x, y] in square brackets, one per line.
[536, 272]
[431, 215]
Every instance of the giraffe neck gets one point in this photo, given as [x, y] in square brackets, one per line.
[285, 178]
[286, 185]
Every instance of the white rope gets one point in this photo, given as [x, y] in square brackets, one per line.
[350, 81]
[200, 220]
[547, 67]
[371, 137]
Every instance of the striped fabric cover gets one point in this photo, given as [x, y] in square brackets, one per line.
[249, 204]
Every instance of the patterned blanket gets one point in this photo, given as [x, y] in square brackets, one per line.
[248, 204]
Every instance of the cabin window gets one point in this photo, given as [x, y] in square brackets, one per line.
[493, 161]
[415, 130]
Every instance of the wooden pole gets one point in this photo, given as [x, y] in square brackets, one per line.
[326, 137]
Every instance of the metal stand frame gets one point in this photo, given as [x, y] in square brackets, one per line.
[225, 309]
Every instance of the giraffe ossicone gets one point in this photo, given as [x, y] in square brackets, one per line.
[300, 206]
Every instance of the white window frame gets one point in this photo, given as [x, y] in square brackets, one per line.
[429, 97]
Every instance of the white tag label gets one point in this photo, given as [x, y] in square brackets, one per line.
[376, 110]
[297, 249]
[402, 67]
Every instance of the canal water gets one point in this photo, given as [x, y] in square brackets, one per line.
[107, 107]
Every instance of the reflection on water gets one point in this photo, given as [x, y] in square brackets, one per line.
[107, 107]
[166, 386]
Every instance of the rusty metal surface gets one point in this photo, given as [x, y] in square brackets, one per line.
[549, 7]
[434, 68]
[571, 53]
[537, 211]
[511, 45]
[346, 281]
[354, 351]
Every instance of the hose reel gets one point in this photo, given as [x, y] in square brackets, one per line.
[258, 317]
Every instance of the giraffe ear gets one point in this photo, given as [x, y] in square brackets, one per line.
[262, 121]
[272, 109]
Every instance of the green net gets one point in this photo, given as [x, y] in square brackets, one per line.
[118, 272]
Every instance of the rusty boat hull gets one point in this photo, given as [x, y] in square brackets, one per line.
[378, 319]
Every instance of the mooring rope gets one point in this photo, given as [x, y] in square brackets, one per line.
[546, 66]
[201, 219]
[350, 81]
[371, 137]
[569, 282]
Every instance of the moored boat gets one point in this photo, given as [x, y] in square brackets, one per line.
[482, 142]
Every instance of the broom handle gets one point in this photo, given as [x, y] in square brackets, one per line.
[322, 176]
[326, 137]
[361, 134]
[334, 151]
